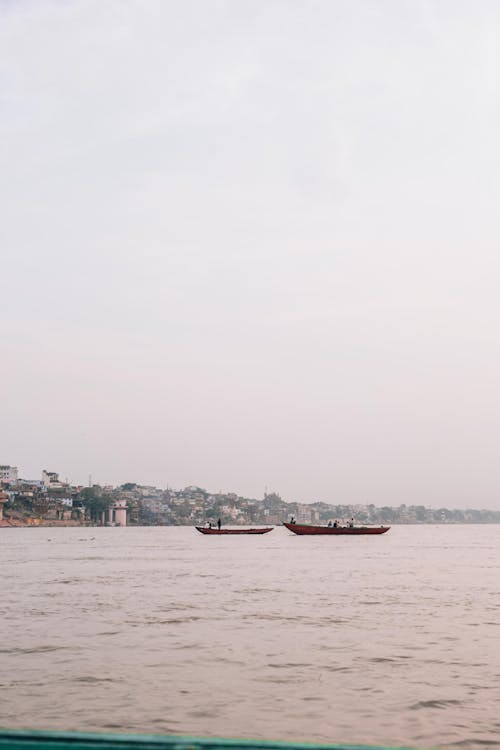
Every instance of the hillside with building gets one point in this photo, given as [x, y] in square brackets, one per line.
[50, 501]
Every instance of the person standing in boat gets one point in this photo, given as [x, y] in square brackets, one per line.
[219, 523]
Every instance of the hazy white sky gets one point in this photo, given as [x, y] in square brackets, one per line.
[250, 243]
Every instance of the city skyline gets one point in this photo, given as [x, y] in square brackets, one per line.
[14, 473]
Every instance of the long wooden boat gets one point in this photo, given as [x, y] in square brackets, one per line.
[205, 530]
[309, 530]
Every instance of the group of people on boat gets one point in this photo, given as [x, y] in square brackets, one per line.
[336, 524]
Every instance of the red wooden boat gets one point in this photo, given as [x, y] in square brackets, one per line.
[308, 530]
[205, 530]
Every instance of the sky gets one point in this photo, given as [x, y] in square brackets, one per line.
[253, 245]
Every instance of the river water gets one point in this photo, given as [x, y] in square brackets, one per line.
[387, 639]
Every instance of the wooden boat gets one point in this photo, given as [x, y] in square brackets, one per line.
[205, 530]
[309, 530]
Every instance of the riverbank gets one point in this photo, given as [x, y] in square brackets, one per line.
[6, 523]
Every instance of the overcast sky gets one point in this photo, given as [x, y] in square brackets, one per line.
[253, 243]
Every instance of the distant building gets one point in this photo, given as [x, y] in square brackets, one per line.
[306, 514]
[116, 514]
[8, 474]
[3, 499]
[120, 513]
[50, 479]
[30, 483]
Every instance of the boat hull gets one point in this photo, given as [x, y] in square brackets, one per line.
[307, 530]
[220, 532]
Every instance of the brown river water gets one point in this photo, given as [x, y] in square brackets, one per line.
[391, 639]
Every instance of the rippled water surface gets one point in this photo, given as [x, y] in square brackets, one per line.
[392, 639]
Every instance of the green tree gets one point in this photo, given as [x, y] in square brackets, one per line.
[95, 503]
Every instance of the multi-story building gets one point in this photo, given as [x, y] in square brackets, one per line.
[51, 480]
[8, 474]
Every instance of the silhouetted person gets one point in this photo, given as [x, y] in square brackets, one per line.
[292, 520]
[218, 523]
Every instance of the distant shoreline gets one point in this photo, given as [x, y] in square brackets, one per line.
[46, 524]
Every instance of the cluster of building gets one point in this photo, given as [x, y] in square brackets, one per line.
[50, 500]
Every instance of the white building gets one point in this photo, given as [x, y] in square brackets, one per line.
[8, 474]
[51, 479]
